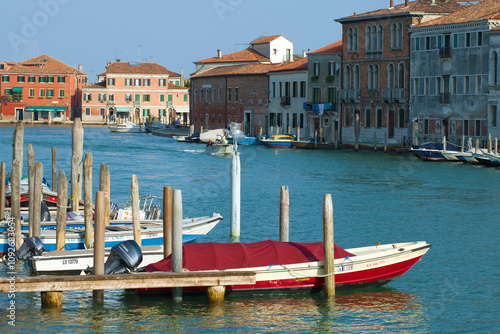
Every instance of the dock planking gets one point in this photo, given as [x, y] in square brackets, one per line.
[126, 281]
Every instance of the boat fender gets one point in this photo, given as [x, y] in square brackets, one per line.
[44, 213]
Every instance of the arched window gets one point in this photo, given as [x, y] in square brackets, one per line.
[400, 36]
[370, 77]
[347, 77]
[355, 39]
[356, 83]
[390, 76]
[375, 84]
[495, 68]
[368, 38]
[394, 36]
[349, 39]
[374, 38]
[401, 75]
[380, 36]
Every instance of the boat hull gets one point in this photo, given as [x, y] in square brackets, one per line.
[277, 144]
[371, 267]
[312, 146]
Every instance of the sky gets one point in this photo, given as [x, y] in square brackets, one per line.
[173, 34]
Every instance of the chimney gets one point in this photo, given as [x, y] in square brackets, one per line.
[182, 77]
[304, 53]
[406, 3]
[80, 67]
[391, 4]
[219, 54]
[433, 2]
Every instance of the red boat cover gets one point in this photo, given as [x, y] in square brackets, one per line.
[218, 256]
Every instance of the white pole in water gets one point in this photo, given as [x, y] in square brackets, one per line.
[235, 183]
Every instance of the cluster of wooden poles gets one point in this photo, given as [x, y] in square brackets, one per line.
[96, 221]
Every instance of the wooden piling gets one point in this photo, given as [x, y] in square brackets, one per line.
[51, 299]
[328, 240]
[15, 202]
[62, 204]
[31, 187]
[76, 165]
[177, 239]
[191, 130]
[37, 197]
[477, 146]
[99, 228]
[496, 146]
[54, 169]
[87, 199]
[385, 142]
[167, 221]
[375, 141]
[105, 185]
[463, 144]
[75, 205]
[315, 139]
[2, 190]
[136, 214]
[215, 294]
[489, 143]
[321, 139]
[298, 133]
[356, 132]
[444, 143]
[16, 174]
[284, 214]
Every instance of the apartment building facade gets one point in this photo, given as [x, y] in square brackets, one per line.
[40, 89]
[138, 90]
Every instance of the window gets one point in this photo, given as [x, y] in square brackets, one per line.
[274, 89]
[316, 95]
[479, 38]
[87, 111]
[61, 79]
[177, 82]
[42, 92]
[2, 66]
[478, 128]
[162, 97]
[280, 92]
[379, 118]
[128, 97]
[331, 68]
[466, 127]
[455, 40]
[368, 117]
[417, 44]
[373, 77]
[31, 78]
[438, 86]
[185, 98]
[61, 93]
[294, 89]
[302, 89]
[111, 81]
[287, 55]
[467, 39]
[42, 79]
[162, 82]
[137, 97]
[316, 68]
[229, 94]
[137, 82]
[50, 93]
[201, 95]
[236, 94]
[146, 82]
[20, 78]
[478, 85]
[31, 92]
[5, 78]
[128, 82]
[111, 97]
[426, 126]
[102, 111]
[170, 98]
[401, 118]
[493, 116]
[146, 97]
[332, 94]
[219, 94]
[390, 76]
[466, 84]
[50, 79]
[195, 95]
[347, 77]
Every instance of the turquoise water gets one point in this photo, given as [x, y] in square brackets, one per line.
[376, 197]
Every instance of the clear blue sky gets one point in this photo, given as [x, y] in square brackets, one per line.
[172, 33]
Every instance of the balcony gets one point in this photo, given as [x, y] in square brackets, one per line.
[393, 94]
[285, 101]
[445, 52]
[347, 95]
[312, 106]
[444, 98]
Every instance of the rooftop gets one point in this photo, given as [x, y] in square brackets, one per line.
[42, 64]
[245, 69]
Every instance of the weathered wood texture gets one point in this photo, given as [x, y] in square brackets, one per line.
[167, 221]
[87, 198]
[136, 214]
[127, 281]
[2, 189]
[284, 214]
[31, 187]
[62, 203]
[328, 242]
[37, 199]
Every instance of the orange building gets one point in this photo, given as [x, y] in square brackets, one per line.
[136, 89]
[41, 88]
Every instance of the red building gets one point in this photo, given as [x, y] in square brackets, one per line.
[41, 88]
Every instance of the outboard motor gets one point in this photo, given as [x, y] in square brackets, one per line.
[125, 256]
[45, 213]
[30, 247]
[113, 210]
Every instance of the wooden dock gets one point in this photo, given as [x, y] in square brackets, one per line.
[126, 281]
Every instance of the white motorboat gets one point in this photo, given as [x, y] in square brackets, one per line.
[211, 135]
[219, 149]
[129, 127]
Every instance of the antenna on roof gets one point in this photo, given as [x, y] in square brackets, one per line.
[139, 53]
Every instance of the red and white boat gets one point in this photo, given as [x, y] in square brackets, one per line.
[48, 196]
[292, 266]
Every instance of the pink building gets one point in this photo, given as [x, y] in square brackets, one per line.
[136, 89]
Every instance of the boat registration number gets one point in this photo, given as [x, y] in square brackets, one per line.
[347, 267]
[71, 261]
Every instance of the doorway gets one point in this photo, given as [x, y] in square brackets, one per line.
[391, 124]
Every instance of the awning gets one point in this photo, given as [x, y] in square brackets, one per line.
[123, 109]
[45, 108]
[17, 90]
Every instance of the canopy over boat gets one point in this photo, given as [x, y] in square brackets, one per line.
[222, 256]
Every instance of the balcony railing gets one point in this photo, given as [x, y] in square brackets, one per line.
[445, 52]
[393, 94]
[285, 101]
[349, 94]
[310, 106]
[444, 98]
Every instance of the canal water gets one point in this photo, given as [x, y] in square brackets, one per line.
[377, 197]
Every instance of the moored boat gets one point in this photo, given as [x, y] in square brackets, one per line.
[129, 127]
[211, 135]
[313, 144]
[48, 196]
[290, 266]
[278, 141]
[219, 149]
[245, 141]
[431, 151]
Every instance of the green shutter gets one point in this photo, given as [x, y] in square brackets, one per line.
[145, 112]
